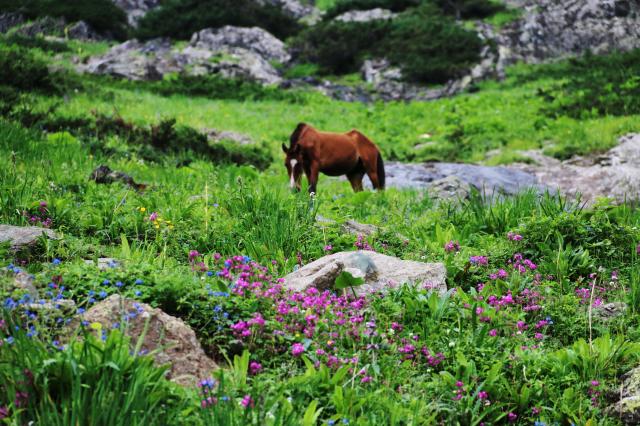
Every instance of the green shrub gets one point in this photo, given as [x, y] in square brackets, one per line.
[102, 15]
[339, 47]
[181, 18]
[597, 86]
[36, 43]
[342, 6]
[430, 47]
[466, 9]
[213, 87]
[21, 70]
[165, 137]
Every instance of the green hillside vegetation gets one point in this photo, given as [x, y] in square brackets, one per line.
[516, 338]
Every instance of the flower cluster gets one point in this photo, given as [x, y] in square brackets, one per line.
[39, 215]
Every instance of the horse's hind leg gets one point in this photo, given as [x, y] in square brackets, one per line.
[356, 180]
[371, 168]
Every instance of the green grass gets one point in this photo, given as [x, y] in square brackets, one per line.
[239, 210]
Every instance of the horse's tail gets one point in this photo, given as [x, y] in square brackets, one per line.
[381, 175]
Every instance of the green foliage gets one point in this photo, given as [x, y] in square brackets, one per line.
[103, 15]
[20, 69]
[342, 6]
[89, 381]
[597, 86]
[429, 47]
[181, 18]
[467, 9]
[340, 47]
[212, 87]
[35, 43]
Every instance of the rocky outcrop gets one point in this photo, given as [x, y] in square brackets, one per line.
[104, 175]
[380, 272]
[357, 228]
[20, 237]
[136, 9]
[229, 38]
[231, 52]
[627, 409]
[46, 26]
[613, 174]
[295, 9]
[168, 338]
[377, 14]
[554, 29]
[500, 180]
[214, 135]
[450, 188]
[10, 20]
[82, 31]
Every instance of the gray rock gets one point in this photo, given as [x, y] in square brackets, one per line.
[24, 281]
[357, 228]
[82, 31]
[134, 60]
[231, 52]
[380, 272]
[65, 305]
[104, 263]
[229, 38]
[169, 339]
[610, 310]
[627, 408]
[501, 180]
[377, 14]
[214, 135]
[23, 236]
[10, 20]
[104, 175]
[43, 26]
[295, 9]
[614, 174]
[553, 29]
[136, 9]
[450, 188]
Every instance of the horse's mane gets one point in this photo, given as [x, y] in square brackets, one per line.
[293, 139]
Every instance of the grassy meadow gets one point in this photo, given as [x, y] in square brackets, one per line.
[516, 339]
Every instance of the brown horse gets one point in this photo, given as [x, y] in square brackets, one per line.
[333, 154]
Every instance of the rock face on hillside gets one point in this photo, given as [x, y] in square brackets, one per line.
[628, 406]
[231, 52]
[365, 15]
[136, 9]
[23, 236]
[295, 9]
[379, 271]
[10, 20]
[613, 174]
[554, 29]
[175, 342]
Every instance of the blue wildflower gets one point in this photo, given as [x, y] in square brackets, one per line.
[56, 261]
[103, 294]
[139, 281]
[106, 282]
[119, 284]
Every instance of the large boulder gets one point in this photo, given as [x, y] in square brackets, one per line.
[627, 408]
[229, 38]
[136, 9]
[380, 272]
[613, 174]
[23, 236]
[169, 339]
[553, 29]
[231, 52]
[135, 60]
[377, 14]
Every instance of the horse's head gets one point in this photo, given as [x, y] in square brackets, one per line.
[293, 163]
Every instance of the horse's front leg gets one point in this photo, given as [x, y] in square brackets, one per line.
[312, 176]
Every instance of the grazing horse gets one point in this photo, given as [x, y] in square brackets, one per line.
[333, 154]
